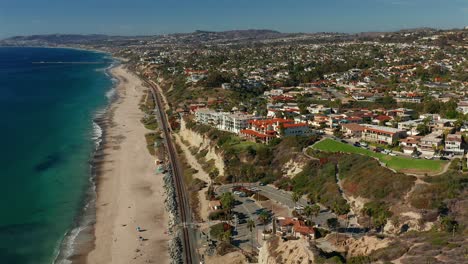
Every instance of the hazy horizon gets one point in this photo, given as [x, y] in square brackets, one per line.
[145, 17]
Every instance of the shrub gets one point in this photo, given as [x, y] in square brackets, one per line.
[217, 215]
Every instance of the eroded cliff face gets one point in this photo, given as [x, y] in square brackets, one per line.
[277, 251]
[202, 143]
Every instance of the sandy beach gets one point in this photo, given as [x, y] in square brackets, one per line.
[129, 192]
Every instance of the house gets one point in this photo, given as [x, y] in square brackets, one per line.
[352, 130]
[454, 144]
[409, 144]
[381, 134]
[215, 205]
[257, 136]
[431, 142]
[463, 107]
[410, 126]
[381, 119]
[292, 226]
[320, 120]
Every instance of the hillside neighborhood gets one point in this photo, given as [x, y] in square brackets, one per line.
[310, 148]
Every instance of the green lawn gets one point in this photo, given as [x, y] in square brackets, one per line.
[396, 163]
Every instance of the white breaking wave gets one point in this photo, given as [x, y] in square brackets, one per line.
[68, 245]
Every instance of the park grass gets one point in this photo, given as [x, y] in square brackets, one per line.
[401, 164]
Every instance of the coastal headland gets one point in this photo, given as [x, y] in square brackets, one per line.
[130, 194]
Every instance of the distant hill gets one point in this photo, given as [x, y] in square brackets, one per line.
[205, 37]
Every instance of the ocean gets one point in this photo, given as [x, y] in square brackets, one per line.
[48, 138]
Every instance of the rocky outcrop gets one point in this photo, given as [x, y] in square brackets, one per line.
[353, 247]
[277, 251]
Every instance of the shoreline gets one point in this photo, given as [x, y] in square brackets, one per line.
[78, 240]
[129, 192]
[124, 192]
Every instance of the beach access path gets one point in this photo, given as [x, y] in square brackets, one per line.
[130, 193]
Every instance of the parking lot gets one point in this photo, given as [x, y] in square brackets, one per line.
[248, 208]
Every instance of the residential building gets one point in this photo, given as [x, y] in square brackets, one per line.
[209, 117]
[463, 107]
[409, 144]
[430, 143]
[410, 126]
[352, 130]
[214, 205]
[292, 226]
[233, 123]
[236, 122]
[382, 134]
[298, 129]
[454, 144]
[267, 129]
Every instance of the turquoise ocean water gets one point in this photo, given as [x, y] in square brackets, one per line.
[47, 140]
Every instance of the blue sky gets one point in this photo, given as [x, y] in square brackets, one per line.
[143, 17]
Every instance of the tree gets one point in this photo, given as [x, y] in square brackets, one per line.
[227, 201]
[315, 210]
[226, 236]
[423, 129]
[448, 224]
[308, 212]
[378, 212]
[295, 196]
[264, 217]
[251, 227]
[332, 223]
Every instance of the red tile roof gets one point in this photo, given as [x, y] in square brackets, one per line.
[353, 127]
[254, 133]
[294, 125]
[383, 118]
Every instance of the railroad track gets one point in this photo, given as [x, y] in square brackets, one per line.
[183, 202]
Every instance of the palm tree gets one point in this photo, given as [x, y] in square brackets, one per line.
[315, 210]
[295, 196]
[263, 217]
[226, 236]
[311, 198]
[308, 212]
[227, 200]
[251, 227]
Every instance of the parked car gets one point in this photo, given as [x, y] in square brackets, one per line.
[392, 154]
[378, 149]
[357, 144]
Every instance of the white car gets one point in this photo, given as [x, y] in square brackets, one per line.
[392, 154]
[299, 207]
